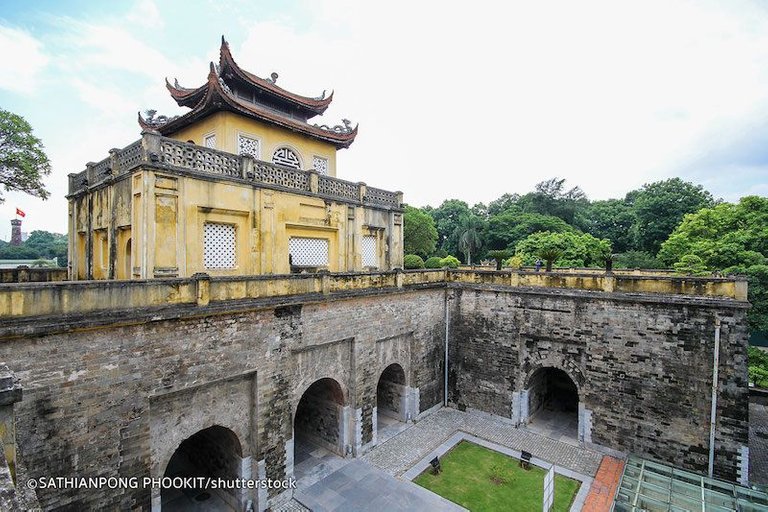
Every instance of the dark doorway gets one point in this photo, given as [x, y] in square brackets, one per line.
[553, 404]
[212, 452]
[391, 405]
[318, 429]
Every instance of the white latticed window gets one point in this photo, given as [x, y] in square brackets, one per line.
[248, 146]
[210, 141]
[286, 157]
[370, 253]
[219, 245]
[320, 164]
[308, 252]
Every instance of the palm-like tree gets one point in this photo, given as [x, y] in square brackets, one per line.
[469, 233]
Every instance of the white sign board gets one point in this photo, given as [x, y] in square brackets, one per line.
[549, 489]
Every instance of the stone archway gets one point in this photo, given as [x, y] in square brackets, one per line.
[392, 410]
[551, 405]
[319, 432]
[212, 452]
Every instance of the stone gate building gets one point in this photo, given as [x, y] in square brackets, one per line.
[229, 375]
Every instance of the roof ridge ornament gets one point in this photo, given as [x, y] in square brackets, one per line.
[272, 78]
[346, 128]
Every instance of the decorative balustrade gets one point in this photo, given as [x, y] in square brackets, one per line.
[288, 178]
[156, 151]
[333, 187]
[384, 197]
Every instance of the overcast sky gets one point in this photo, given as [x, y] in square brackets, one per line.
[463, 100]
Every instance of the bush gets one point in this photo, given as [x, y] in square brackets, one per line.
[758, 367]
[691, 265]
[450, 262]
[499, 256]
[433, 262]
[515, 262]
[412, 261]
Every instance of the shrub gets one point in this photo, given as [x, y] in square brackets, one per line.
[515, 262]
[450, 262]
[691, 265]
[413, 261]
[499, 256]
[433, 262]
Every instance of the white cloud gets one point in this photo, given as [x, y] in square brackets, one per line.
[22, 60]
[146, 14]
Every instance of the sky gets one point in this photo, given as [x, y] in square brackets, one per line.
[466, 100]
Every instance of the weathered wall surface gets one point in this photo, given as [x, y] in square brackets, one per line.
[117, 400]
[642, 365]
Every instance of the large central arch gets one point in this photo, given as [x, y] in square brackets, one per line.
[319, 425]
[551, 405]
[212, 452]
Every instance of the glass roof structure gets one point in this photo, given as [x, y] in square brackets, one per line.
[653, 487]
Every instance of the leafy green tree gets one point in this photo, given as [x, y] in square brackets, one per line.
[660, 207]
[552, 198]
[419, 232]
[39, 245]
[23, 163]
[447, 218]
[499, 256]
[505, 203]
[691, 265]
[729, 238]
[613, 219]
[469, 233]
[758, 367]
[565, 249]
[637, 259]
[508, 228]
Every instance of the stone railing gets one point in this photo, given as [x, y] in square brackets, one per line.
[80, 297]
[154, 151]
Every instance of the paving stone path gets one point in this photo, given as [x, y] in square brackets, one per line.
[758, 443]
[398, 454]
[600, 497]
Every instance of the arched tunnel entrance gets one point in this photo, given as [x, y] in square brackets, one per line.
[318, 428]
[391, 403]
[553, 404]
[212, 452]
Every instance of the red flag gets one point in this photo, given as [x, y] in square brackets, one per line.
[20, 213]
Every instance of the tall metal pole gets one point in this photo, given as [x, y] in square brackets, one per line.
[445, 383]
[713, 413]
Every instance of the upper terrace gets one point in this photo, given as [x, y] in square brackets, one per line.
[162, 153]
[83, 297]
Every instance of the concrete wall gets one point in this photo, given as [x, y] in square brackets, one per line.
[642, 365]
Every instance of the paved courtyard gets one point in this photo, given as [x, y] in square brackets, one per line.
[758, 442]
[377, 481]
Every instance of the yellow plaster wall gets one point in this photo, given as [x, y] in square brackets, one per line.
[227, 126]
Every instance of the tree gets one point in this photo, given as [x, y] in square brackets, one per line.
[507, 229]
[613, 219]
[469, 234]
[447, 218]
[551, 198]
[567, 249]
[660, 207]
[419, 232]
[23, 162]
[504, 203]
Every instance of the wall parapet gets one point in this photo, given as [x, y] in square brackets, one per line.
[81, 297]
[155, 151]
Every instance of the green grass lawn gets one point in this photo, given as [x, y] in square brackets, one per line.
[480, 479]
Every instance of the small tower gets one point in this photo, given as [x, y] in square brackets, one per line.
[15, 232]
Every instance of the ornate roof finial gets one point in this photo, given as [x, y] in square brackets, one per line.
[272, 78]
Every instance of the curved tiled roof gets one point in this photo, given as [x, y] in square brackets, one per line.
[215, 96]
